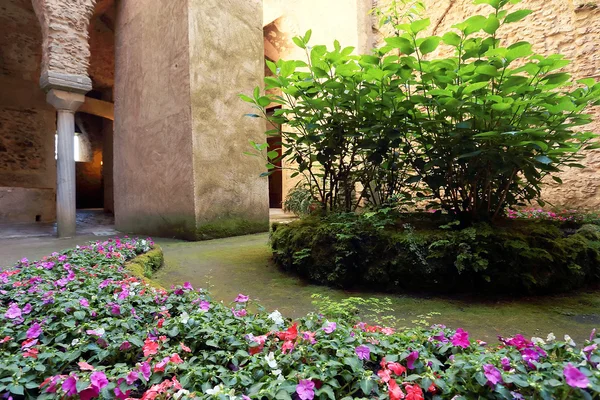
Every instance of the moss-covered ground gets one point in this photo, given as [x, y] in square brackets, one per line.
[241, 264]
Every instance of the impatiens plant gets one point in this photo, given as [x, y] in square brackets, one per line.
[77, 325]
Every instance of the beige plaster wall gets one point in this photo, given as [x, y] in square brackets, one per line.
[153, 147]
[226, 58]
[568, 27]
[27, 122]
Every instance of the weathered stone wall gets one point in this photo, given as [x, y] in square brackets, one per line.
[226, 58]
[568, 27]
[65, 35]
[27, 122]
[153, 147]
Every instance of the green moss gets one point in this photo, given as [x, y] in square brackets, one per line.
[144, 265]
[230, 226]
[352, 251]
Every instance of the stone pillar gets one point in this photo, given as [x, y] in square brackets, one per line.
[66, 103]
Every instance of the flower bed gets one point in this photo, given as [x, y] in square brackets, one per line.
[78, 325]
[419, 253]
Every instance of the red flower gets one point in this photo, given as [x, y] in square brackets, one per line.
[185, 348]
[413, 392]
[397, 368]
[31, 353]
[290, 334]
[176, 359]
[395, 390]
[161, 322]
[150, 347]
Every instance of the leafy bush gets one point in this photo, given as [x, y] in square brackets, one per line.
[410, 254]
[299, 200]
[474, 133]
[76, 325]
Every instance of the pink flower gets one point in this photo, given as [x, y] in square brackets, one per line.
[34, 332]
[574, 377]
[98, 380]
[240, 313]
[309, 337]
[145, 370]
[492, 374]
[306, 389]
[363, 352]
[131, 377]
[84, 303]
[175, 359]
[411, 358]
[125, 346]
[70, 386]
[241, 298]
[188, 286]
[13, 311]
[85, 366]
[330, 327]
[27, 308]
[204, 305]
[461, 339]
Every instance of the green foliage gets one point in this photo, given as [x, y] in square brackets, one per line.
[108, 335]
[299, 200]
[473, 133]
[412, 253]
[355, 309]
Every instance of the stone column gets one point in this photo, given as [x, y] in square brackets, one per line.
[66, 103]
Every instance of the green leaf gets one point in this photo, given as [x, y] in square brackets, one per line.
[403, 44]
[367, 385]
[246, 98]
[419, 25]
[307, 36]
[518, 50]
[494, 3]
[429, 44]
[544, 159]
[272, 154]
[474, 86]
[487, 69]
[492, 24]
[451, 38]
[298, 42]
[557, 179]
[264, 101]
[516, 16]
[501, 106]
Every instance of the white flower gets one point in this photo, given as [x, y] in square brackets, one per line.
[270, 358]
[216, 390]
[74, 342]
[277, 318]
[185, 317]
[181, 393]
[276, 372]
[569, 341]
[550, 337]
[538, 341]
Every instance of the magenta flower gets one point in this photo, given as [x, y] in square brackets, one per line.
[34, 331]
[204, 305]
[27, 309]
[239, 313]
[493, 374]
[125, 346]
[241, 298]
[411, 358]
[145, 370]
[363, 352]
[13, 311]
[505, 363]
[575, 378]
[84, 303]
[70, 386]
[132, 377]
[188, 286]
[330, 327]
[98, 380]
[309, 337]
[115, 309]
[461, 339]
[306, 389]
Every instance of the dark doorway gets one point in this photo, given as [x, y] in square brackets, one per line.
[276, 178]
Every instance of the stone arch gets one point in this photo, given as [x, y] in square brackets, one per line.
[65, 49]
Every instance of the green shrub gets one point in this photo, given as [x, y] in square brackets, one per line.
[357, 251]
[474, 133]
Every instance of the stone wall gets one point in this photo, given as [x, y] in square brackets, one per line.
[153, 153]
[568, 27]
[27, 122]
[226, 58]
